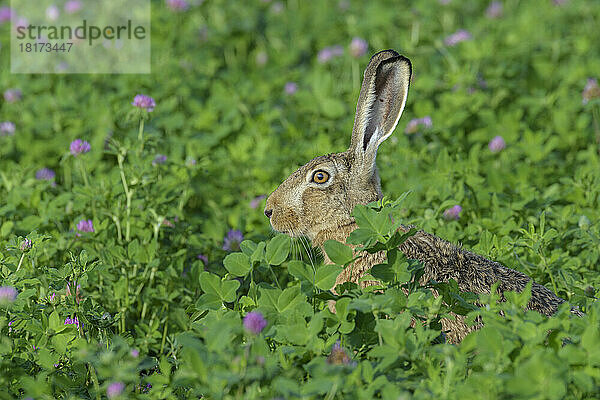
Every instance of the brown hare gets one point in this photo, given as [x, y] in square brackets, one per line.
[316, 201]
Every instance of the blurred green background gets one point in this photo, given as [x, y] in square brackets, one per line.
[219, 75]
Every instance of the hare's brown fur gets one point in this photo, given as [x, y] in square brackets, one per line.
[321, 211]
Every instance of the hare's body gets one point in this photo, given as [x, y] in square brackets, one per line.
[443, 261]
[316, 201]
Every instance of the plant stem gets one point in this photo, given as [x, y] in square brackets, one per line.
[252, 285]
[156, 229]
[94, 379]
[118, 224]
[86, 182]
[83, 172]
[144, 308]
[20, 262]
[128, 195]
[128, 211]
[355, 74]
[376, 314]
[274, 276]
[414, 33]
[141, 134]
[332, 392]
[596, 119]
[162, 344]
[547, 268]
[122, 310]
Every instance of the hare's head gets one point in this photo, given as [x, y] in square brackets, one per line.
[321, 194]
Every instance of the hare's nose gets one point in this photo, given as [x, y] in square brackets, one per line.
[268, 213]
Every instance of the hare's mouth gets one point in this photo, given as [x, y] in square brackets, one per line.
[287, 230]
[290, 233]
[286, 222]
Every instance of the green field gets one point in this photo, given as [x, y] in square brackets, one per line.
[135, 259]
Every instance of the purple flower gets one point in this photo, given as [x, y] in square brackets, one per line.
[7, 128]
[590, 91]
[414, 124]
[8, 294]
[52, 297]
[25, 245]
[494, 10]
[290, 88]
[482, 83]
[72, 6]
[261, 58]
[159, 159]
[79, 146]
[256, 201]
[338, 355]
[177, 5]
[277, 7]
[144, 388]
[202, 258]
[254, 322]
[457, 37]
[45, 174]
[453, 212]
[324, 55]
[144, 102]
[496, 144]
[232, 240]
[337, 50]
[358, 47]
[21, 22]
[330, 52]
[85, 226]
[78, 296]
[52, 12]
[6, 14]
[114, 389]
[12, 95]
[68, 289]
[134, 353]
[72, 321]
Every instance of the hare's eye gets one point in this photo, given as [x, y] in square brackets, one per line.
[320, 177]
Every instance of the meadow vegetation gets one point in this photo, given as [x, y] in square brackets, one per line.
[136, 262]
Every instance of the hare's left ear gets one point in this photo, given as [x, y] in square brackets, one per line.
[380, 103]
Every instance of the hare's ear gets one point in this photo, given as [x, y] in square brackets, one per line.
[381, 101]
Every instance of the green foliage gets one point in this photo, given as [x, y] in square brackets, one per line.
[237, 264]
[159, 298]
[338, 252]
[277, 250]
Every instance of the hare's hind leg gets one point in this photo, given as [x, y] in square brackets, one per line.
[457, 329]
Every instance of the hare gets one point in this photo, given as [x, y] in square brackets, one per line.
[316, 201]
